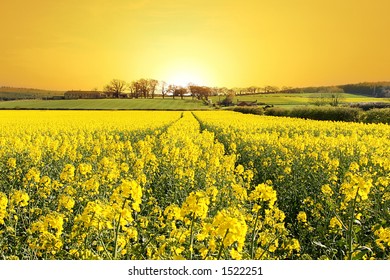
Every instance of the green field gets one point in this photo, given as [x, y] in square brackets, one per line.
[107, 104]
[27, 93]
[280, 100]
[295, 99]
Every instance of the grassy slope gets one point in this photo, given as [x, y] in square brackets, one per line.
[292, 99]
[132, 104]
[18, 93]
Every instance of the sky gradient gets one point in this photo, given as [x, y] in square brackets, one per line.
[84, 44]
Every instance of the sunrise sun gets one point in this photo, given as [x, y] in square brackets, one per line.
[185, 78]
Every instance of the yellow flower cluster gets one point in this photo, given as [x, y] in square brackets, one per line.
[265, 193]
[66, 202]
[46, 234]
[335, 223]
[331, 178]
[229, 226]
[302, 217]
[383, 238]
[195, 205]
[3, 207]
[18, 198]
[182, 185]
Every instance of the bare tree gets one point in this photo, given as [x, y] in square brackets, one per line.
[115, 88]
[238, 90]
[135, 89]
[180, 91]
[200, 92]
[271, 89]
[252, 89]
[145, 88]
[286, 89]
[164, 88]
[228, 100]
[172, 89]
[222, 91]
[152, 85]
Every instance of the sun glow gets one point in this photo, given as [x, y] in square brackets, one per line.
[185, 78]
[185, 70]
[84, 44]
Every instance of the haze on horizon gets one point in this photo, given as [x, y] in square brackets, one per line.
[84, 44]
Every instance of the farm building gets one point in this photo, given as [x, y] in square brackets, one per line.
[79, 94]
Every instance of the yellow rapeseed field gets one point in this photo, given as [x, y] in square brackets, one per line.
[204, 185]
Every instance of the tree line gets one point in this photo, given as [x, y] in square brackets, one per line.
[378, 89]
[149, 88]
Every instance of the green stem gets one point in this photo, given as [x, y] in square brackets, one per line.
[254, 233]
[221, 247]
[269, 245]
[88, 230]
[104, 246]
[192, 235]
[145, 246]
[350, 227]
[117, 232]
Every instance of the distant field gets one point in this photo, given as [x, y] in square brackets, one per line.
[293, 99]
[107, 104]
[281, 100]
[27, 93]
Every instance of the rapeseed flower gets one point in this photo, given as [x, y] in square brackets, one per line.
[67, 174]
[84, 168]
[383, 238]
[196, 204]
[66, 201]
[327, 190]
[229, 226]
[19, 198]
[263, 192]
[11, 163]
[3, 207]
[302, 217]
[335, 223]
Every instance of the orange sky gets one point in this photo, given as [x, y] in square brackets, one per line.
[83, 44]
